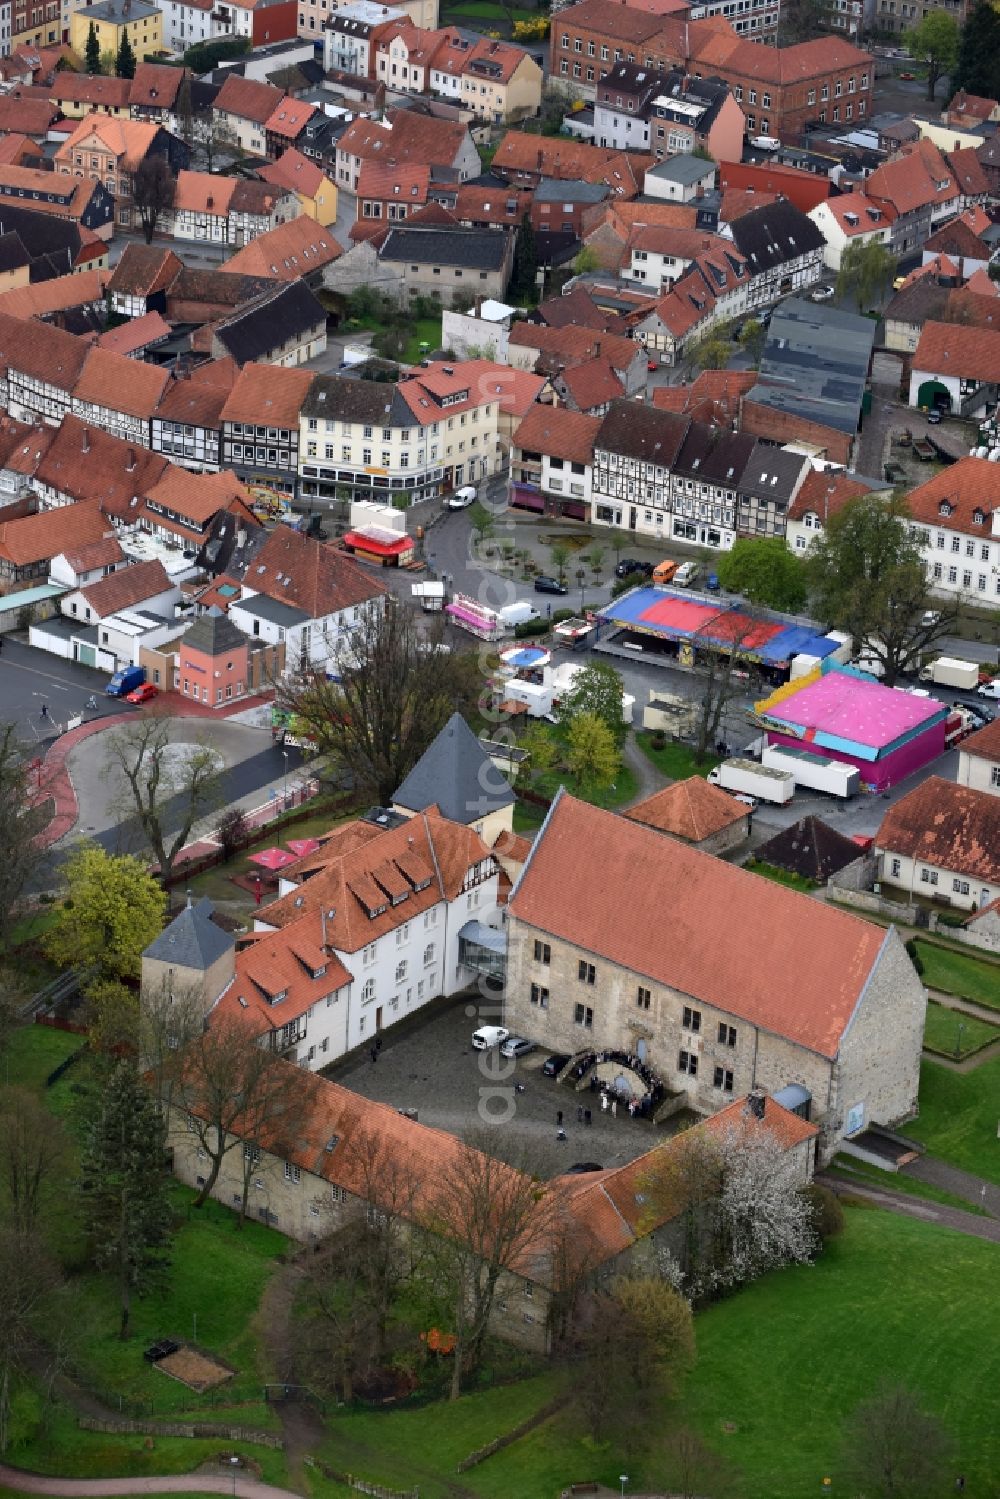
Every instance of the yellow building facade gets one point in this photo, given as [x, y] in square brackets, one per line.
[140, 21]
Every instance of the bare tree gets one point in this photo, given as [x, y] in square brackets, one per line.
[34, 1154]
[153, 189]
[490, 1219]
[690, 1468]
[167, 788]
[894, 1448]
[723, 668]
[22, 817]
[27, 1276]
[171, 1016]
[233, 1091]
[395, 691]
[270, 1118]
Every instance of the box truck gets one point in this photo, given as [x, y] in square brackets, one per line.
[819, 774]
[948, 671]
[751, 779]
[518, 613]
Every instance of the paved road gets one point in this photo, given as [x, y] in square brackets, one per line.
[21, 1482]
[30, 678]
[917, 1207]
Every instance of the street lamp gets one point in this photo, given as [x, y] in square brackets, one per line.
[284, 798]
[958, 1040]
[623, 1480]
[581, 578]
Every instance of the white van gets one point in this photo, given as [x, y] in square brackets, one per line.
[686, 574]
[488, 1036]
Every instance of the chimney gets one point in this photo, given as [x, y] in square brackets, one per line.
[86, 440]
[756, 1101]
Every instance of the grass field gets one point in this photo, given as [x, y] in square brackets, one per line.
[953, 1033]
[32, 1052]
[959, 1112]
[781, 876]
[674, 760]
[959, 973]
[217, 883]
[849, 1168]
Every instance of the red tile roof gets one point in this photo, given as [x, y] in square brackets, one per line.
[692, 810]
[947, 826]
[88, 463]
[40, 537]
[970, 489]
[285, 253]
[138, 333]
[203, 192]
[197, 497]
[127, 588]
[592, 384]
[809, 963]
[144, 269]
[309, 575]
[825, 493]
[918, 175]
[289, 118]
[115, 383]
[559, 433]
[247, 99]
[127, 140]
[92, 554]
[295, 172]
[404, 137]
[952, 349]
[713, 397]
[268, 395]
[42, 351]
[155, 85]
[985, 742]
[968, 172]
[43, 297]
[83, 88]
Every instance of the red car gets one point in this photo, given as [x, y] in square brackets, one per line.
[651, 364]
[141, 694]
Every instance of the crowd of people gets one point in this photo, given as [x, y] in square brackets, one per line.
[639, 1105]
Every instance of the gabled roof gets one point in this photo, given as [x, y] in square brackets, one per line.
[155, 85]
[691, 809]
[592, 384]
[918, 176]
[289, 117]
[776, 233]
[87, 463]
[268, 395]
[290, 250]
[713, 396]
[968, 172]
[248, 99]
[42, 351]
[295, 172]
[455, 773]
[293, 963]
[962, 497]
[824, 493]
[197, 497]
[127, 140]
[559, 433]
[126, 588]
[41, 298]
[955, 349]
[117, 383]
[137, 334]
[258, 327]
[404, 136]
[144, 269]
[472, 249]
[856, 213]
[40, 537]
[811, 848]
[947, 826]
[314, 577]
[203, 192]
[985, 743]
[192, 940]
[84, 88]
[642, 432]
[958, 239]
[779, 960]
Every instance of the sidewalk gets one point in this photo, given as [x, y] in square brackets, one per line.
[917, 1207]
[20, 1482]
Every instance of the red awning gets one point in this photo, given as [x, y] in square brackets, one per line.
[273, 858]
[358, 541]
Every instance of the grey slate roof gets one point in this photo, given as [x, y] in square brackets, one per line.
[550, 191]
[682, 168]
[810, 848]
[274, 610]
[815, 363]
[772, 473]
[192, 940]
[215, 634]
[772, 235]
[457, 774]
[374, 403]
[642, 432]
[471, 249]
[256, 329]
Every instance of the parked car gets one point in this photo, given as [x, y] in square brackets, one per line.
[664, 571]
[928, 618]
[516, 1046]
[766, 142]
[462, 498]
[629, 565]
[141, 694]
[990, 689]
[933, 416]
[821, 293]
[651, 364]
[544, 584]
[579, 1167]
[976, 711]
[553, 1065]
[488, 1036]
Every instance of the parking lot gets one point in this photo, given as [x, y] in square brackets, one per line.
[31, 678]
[428, 1064]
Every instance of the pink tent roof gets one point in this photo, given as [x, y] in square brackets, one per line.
[272, 858]
[302, 846]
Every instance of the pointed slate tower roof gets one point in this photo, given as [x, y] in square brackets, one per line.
[456, 774]
[192, 940]
[810, 848]
[214, 633]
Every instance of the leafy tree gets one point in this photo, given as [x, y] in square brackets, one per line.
[865, 271]
[153, 189]
[92, 51]
[934, 41]
[893, 1449]
[633, 1348]
[592, 756]
[595, 561]
[868, 578]
[27, 1277]
[978, 67]
[112, 1020]
[525, 259]
[22, 818]
[124, 1186]
[125, 61]
[765, 571]
[113, 911]
[562, 556]
[586, 260]
[165, 789]
[393, 696]
[800, 21]
[541, 751]
[598, 690]
[710, 352]
[753, 336]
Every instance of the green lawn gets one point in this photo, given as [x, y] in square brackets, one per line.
[33, 1051]
[848, 1167]
[216, 1277]
[488, 10]
[217, 883]
[424, 330]
[674, 760]
[781, 876]
[955, 1034]
[788, 1359]
[623, 790]
[959, 973]
[959, 1114]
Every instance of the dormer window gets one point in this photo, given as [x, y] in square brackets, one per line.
[978, 517]
[944, 508]
[275, 999]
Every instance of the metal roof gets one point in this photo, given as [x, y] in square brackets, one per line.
[815, 364]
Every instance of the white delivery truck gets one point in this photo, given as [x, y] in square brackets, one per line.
[819, 774]
[751, 779]
[948, 671]
[518, 614]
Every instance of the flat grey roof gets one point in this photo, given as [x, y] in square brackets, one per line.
[815, 364]
[682, 168]
[276, 611]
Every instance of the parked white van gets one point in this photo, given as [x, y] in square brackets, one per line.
[488, 1036]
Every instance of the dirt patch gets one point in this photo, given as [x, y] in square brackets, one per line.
[196, 1370]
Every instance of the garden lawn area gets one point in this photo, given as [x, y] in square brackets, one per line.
[425, 330]
[217, 883]
[217, 1274]
[892, 1299]
[33, 1051]
[489, 10]
[623, 790]
[958, 1116]
[959, 973]
[674, 759]
[956, 1034]
[781, 876]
